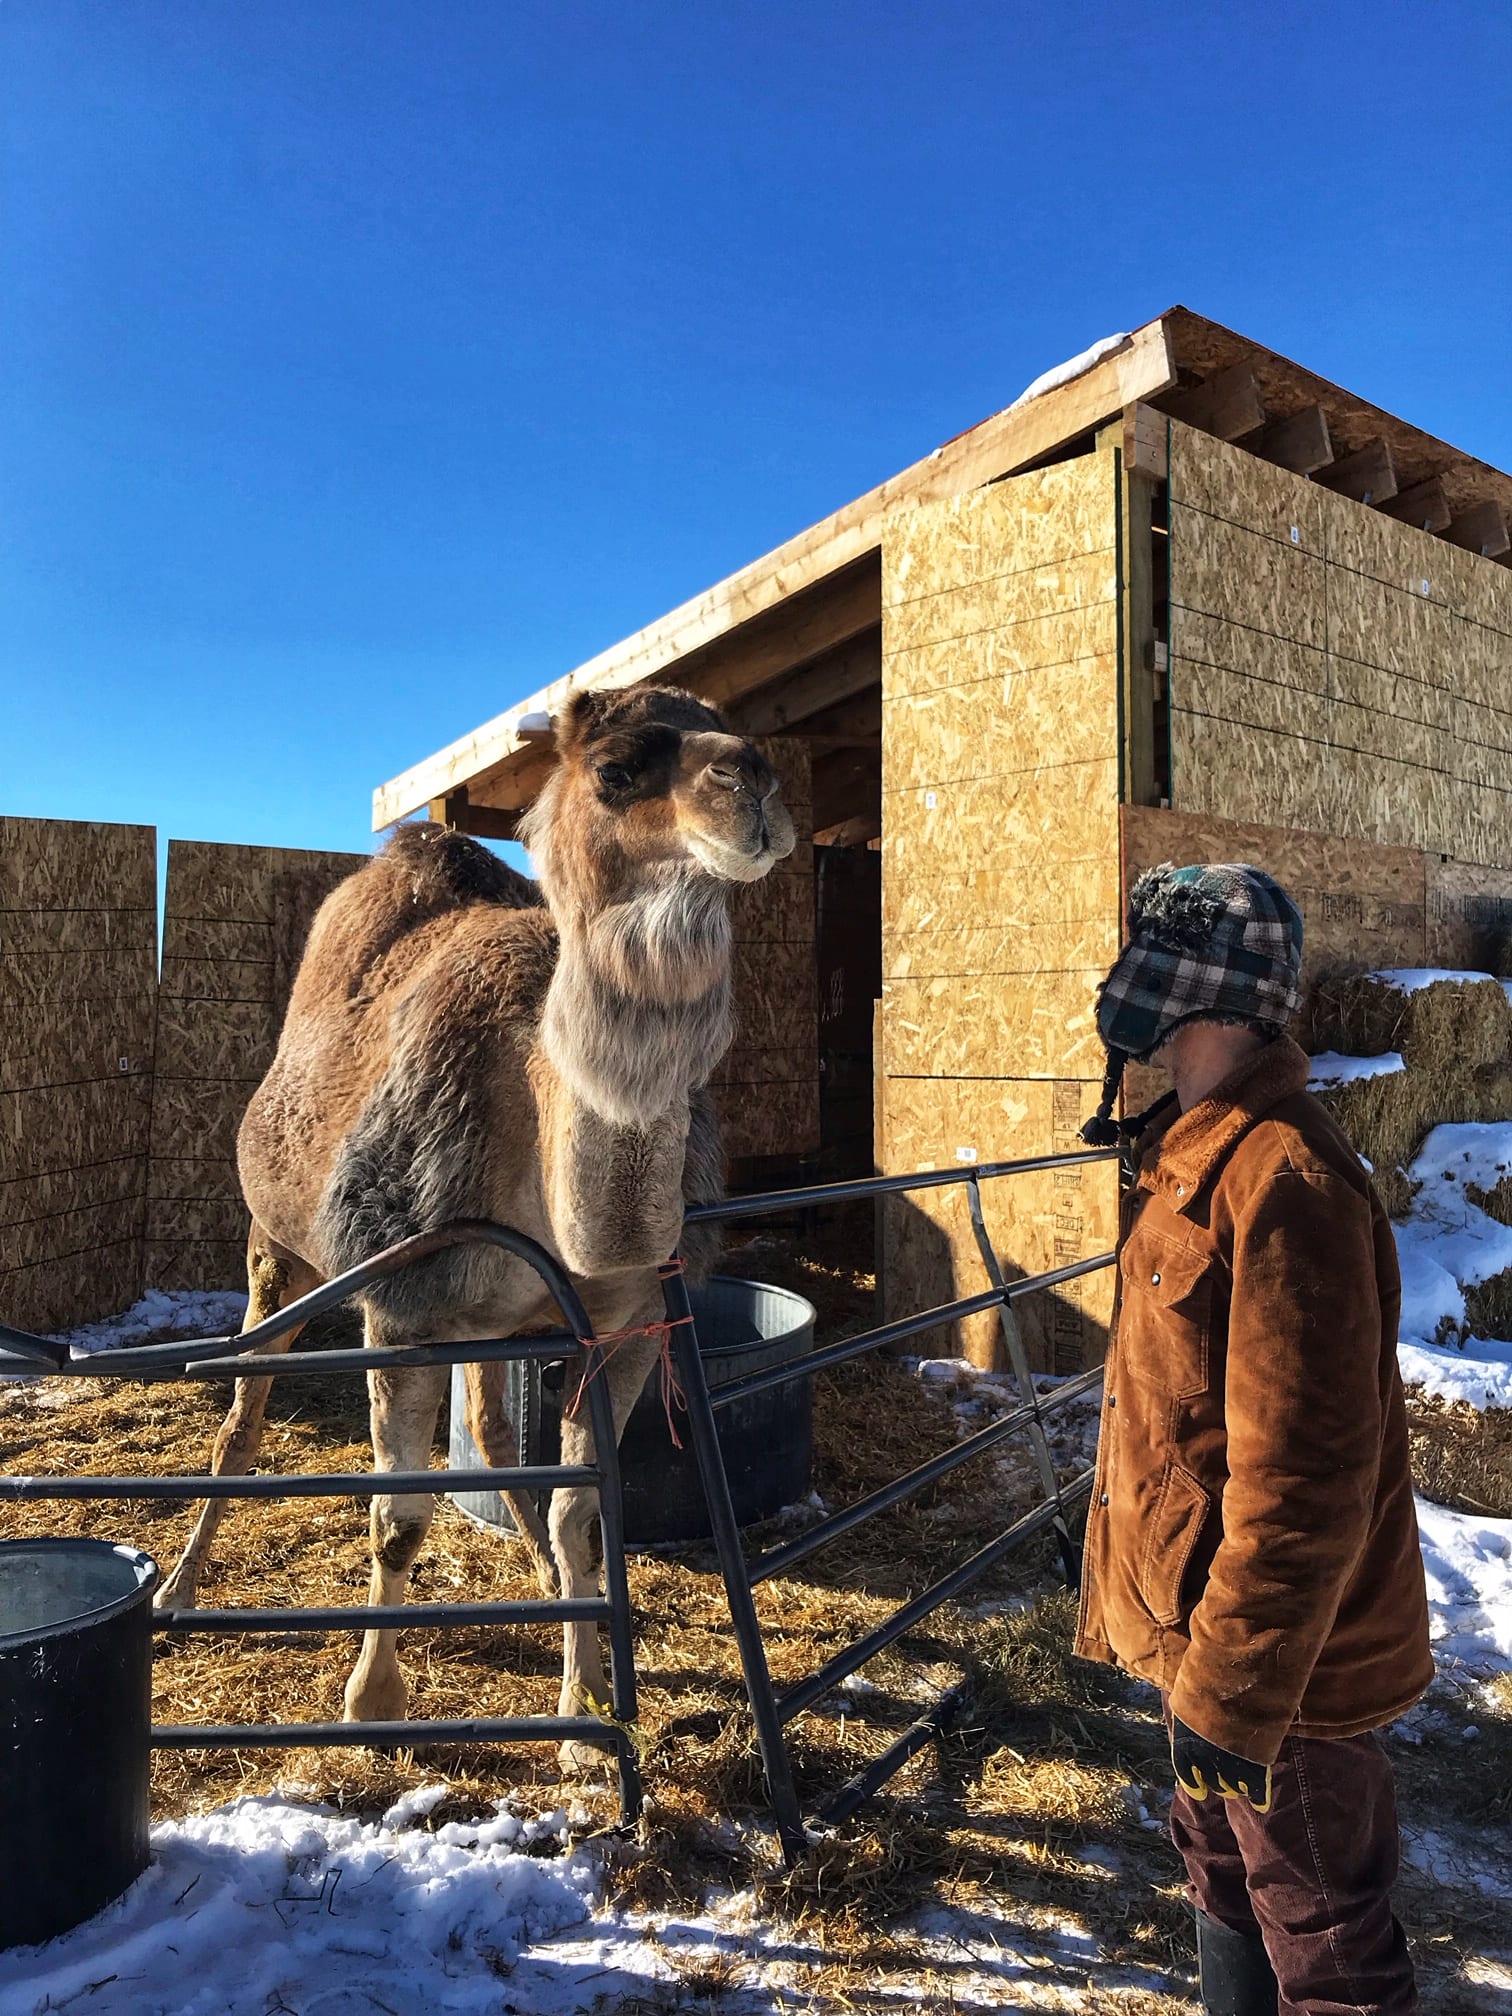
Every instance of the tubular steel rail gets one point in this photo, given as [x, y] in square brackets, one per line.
[219, 1357]
[772, 1711]
[216, 1357]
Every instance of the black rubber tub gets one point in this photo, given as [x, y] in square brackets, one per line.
[75, 1730]
[768, 1440]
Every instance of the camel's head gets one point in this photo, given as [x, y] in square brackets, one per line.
[654, 777]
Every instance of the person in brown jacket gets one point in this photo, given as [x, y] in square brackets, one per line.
[1251, 1545]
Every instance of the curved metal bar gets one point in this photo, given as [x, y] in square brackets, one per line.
[760, 1202]
[41, 1353]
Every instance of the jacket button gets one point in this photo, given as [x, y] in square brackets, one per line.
[1104, 1499]
[1112, 1399]
[1181, 1189]
[1155, 1280]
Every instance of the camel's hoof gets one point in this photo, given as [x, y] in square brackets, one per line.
[177, 1593]
[586, 1760]
[546, 1578]
[376, 1697]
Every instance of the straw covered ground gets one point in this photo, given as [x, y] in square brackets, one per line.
[1038, 1809]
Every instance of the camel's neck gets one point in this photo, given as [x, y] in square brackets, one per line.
[638, 1011]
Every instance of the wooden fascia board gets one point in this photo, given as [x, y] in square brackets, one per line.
[1009, 441]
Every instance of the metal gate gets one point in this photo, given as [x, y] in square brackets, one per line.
[772, 1711]
[219, 1357]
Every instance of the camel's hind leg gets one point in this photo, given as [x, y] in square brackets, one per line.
[489, 1425]
[275, 1277]
[404, 1409]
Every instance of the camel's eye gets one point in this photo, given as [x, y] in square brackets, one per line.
[615, 775]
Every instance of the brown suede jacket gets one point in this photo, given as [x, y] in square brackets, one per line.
[1251, 1545]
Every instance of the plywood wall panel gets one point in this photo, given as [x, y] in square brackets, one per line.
[1402, 627]
[1036, 1221]
[1000, 889]
[1082, 629]
[1042, 520]
[1009, 603]
[1242, 489]
[1006, 726]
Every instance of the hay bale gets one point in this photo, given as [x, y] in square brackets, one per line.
[1451, 1022]
[1387, 1118]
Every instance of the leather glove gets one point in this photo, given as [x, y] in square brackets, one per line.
[1202, 1767]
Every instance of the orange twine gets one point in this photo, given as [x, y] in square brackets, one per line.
[609, 1340]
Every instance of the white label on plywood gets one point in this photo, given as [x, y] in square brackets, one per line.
[966, 1154]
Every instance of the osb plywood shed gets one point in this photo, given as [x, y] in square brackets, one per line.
[1190, 575]
[234, 927]
[1001, 785]
[78, 977]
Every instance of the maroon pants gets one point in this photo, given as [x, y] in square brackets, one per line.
[1312, 1876]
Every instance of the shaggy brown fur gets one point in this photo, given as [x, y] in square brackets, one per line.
[458, 1047]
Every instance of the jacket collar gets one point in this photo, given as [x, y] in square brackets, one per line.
[1178, 1156]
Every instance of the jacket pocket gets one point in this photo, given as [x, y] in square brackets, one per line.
[1165, 1318]
[1180, 1514]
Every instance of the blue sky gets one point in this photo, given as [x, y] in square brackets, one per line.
[364, 366]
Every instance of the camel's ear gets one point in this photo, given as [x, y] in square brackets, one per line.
[582, 715]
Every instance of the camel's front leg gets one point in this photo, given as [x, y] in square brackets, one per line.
[404, 1407]
[574, 1513]
[275, 1277]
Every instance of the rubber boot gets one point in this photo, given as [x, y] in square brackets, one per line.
[1234, 1971]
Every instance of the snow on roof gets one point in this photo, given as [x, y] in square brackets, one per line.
[1062, 374]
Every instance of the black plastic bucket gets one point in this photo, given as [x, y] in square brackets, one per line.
[768, 1440]
[75, 1730]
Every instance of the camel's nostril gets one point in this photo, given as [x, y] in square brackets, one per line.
[727, 774]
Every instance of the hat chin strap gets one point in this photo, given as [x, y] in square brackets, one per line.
[1102, 1130]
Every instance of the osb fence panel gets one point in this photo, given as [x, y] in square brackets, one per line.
[234, 926]
[1330, 668]
[78, 977]
[767, 1084]
[1000, 773]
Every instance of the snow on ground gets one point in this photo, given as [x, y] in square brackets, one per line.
[1468, 1561]
[267, 1905]
[1445, 1245]
[160, 1315]
[1329, 1067]
[274, 1904]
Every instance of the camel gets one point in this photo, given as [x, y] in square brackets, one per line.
[457, 1047]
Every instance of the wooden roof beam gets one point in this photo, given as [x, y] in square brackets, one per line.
[1425, 505]
[1228, 404]
[1482, 529]
[1300, 442]
[1369, 475]
[779, 708]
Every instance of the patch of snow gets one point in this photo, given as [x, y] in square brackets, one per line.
[1479, 1372]
[161, 1314]
[1329, 1067]
[1468, 1563]
[263, 1904]
[1454, 1865]
[1062, 374]
[1446, 1244]
[1412, 979]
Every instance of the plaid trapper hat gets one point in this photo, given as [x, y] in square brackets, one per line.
[1222, 942]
